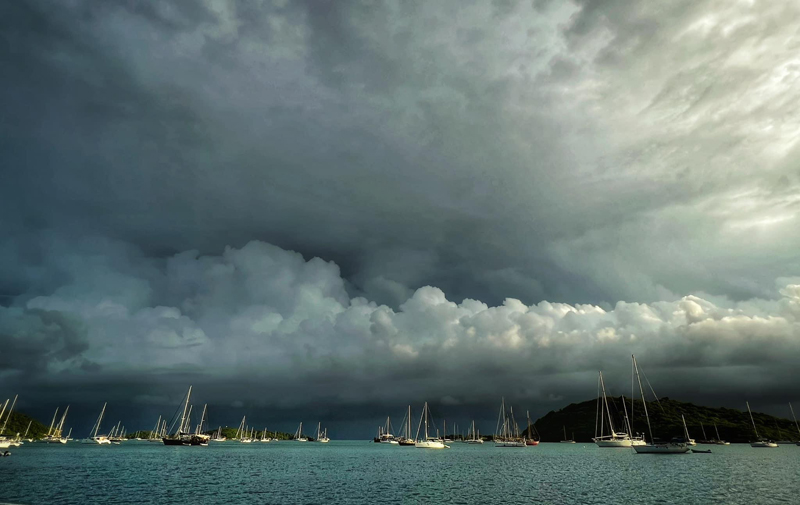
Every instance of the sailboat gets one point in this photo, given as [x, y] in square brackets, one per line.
[54, 432]
[183, 434]
[506, 430]
[689, 441]
[568, 440]
[444, 433]
[219, 437]
[719, 441]
[7, 442]
[674, 446]
[759, 442]
[264, 438]
[25, 436]
[427, 442]
[298, 435]
[94, 438]
[474, 437]
[603, 414]
[385, 435]
[322, 436]
[406, 439]
[530, 440]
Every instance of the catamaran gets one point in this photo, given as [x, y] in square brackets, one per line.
[427, 442]
[94, 438]
[507, 431]
[298, 435]
[759, 442]
[674, 446]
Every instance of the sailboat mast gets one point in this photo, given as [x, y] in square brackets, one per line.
[10, 410]
[605, 403]
[61, 423]
[627, 420]
[99, 420]
[185, 406]
[795, 419]
[644, 403]
[685, 429]
[717, 430]
[50, 429]
[752, 420]
[408, 426]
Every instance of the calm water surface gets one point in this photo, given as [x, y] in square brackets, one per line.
[353, 472]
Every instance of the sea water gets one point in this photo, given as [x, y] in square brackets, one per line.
[362, 472]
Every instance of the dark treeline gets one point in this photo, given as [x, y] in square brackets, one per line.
[665, 418]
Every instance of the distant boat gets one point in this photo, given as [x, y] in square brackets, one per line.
[427, 442]
[507, 431]
[94, 438]
[473, 436]
[385, 435]
[264, 438]
[322, 436]
[219, 438]
[719, 441]
[406, 439]
[183, 435]
[674, 446]
[568, 440]
[530, 440]
[603, 416]
[298, 435]
[689, 441]
[6, 442]
[444, 433]
[53, 435]
[759, 442]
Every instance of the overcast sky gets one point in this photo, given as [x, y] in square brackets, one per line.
[333, 209]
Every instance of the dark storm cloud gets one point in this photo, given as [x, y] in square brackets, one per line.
[583, 152]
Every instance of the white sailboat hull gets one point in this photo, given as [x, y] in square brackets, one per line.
[5, 444]
[431, 444]
[478, 441]
[764, 444]
[391, 442]
[96, 441]
[661, 449]
[510, 443]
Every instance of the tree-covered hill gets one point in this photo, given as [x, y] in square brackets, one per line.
[665, 418]
[18, 422]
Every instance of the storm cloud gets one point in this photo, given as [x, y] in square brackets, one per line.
[449, 197]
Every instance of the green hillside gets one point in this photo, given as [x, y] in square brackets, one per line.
[18, 422]
[665, 418]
